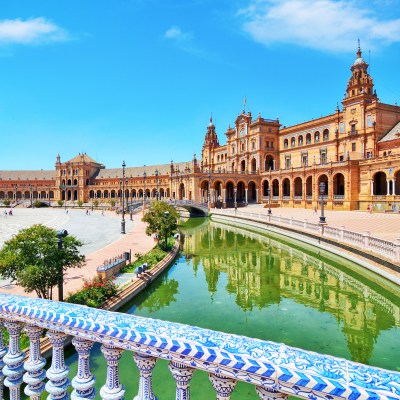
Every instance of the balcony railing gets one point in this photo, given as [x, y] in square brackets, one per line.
[274, 369]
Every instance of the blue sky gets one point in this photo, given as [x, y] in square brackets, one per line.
[137, 80]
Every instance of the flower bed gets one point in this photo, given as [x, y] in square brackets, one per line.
[94, 292]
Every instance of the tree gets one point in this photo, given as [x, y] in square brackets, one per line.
[162, 219]
[33, 259]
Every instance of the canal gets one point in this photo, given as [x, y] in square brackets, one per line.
[267, 287]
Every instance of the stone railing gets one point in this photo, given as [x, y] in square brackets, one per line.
[276, 370]
[363, 241]
[113, 266]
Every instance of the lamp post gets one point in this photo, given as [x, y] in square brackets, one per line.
[209, 190]
[235, 198]
[130, 195]
[144, 190]
[156, 174]
[123, 193]
[269, 200]
[322, 192]
[60, 236]
[30, 189]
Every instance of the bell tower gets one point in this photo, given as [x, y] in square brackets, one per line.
[210, 143]
[360, 85]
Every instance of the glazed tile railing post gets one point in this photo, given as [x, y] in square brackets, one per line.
[361, 240]
[274, 369]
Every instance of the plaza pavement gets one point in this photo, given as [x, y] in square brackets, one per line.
[100, 234]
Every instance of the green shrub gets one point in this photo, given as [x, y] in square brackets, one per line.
[60, 203]
[80, 203]
[151, 258]
[6, 202]
[94, 292]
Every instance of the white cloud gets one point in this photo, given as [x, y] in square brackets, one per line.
[30, 31]
[330, 25]
[176, 33]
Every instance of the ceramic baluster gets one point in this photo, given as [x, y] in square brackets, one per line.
[113, 389]
[145, 364]
[14, 361]
[222, 385]
[84, 381]
[58, 372]
[35, 374]
[182, 375]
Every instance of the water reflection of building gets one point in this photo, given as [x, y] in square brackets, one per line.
[262, 271]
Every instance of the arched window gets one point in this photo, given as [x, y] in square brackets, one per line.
[326, 135]
[316, 137]
[285, 144]
[300, 141]
[293, 142]
[308, 138]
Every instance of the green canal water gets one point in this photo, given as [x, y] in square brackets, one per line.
[267, 287]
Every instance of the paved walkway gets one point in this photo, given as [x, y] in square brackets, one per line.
[381, 225]
[101, 235]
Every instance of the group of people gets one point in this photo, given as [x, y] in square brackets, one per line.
[5, 212]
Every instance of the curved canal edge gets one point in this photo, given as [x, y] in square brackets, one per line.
[125, 295]
[382, 267]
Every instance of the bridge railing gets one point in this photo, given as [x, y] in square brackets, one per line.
[275, 370]
[364, 241]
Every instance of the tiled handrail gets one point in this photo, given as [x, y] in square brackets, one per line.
[276, 370]
[363, 241]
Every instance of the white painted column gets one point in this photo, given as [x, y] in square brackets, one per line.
[387, 188]
[246, 197]
[372, 187]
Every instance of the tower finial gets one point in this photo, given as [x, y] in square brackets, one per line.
[244, 104]
[211, 119]
[359, 49]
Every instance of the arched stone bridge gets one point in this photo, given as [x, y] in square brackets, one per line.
[195, 208]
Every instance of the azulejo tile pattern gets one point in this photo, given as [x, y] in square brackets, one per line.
[262, 363]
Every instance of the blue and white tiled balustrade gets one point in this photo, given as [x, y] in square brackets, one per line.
[276, 370]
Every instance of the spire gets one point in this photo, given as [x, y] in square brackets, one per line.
[211, 119]
[359, 50]
[244, 105]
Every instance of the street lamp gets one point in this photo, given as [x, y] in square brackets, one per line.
[269, 200]
[60, 236]
[156, 174]
[322, 192]
[30, 188]
[123, 194]
[130, 195]
[209, 190]
[144, 190]
[235, 198]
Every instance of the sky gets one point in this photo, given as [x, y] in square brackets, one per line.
[137, 80]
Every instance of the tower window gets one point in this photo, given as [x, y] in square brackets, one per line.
[353, 147]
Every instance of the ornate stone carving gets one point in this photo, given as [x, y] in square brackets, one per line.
[182, 375]
[145, 364]
[35, 373]
[84, 381]
[222, 385]
[13, 360]
[113, 389]
[57, 374]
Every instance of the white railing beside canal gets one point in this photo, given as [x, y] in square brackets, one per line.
[275, 370]
[363, 241]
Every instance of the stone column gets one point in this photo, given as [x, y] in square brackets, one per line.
[113, 389]
[3, 352]
[84, 381]
[387, 188]
[58, 373]
[257, 196]
[14, 360]
[245, 196]
[182, 375]
[222, 385]
[145, 364]
[372, 187]
[35, 374]
[270, 394]
[224, 198]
